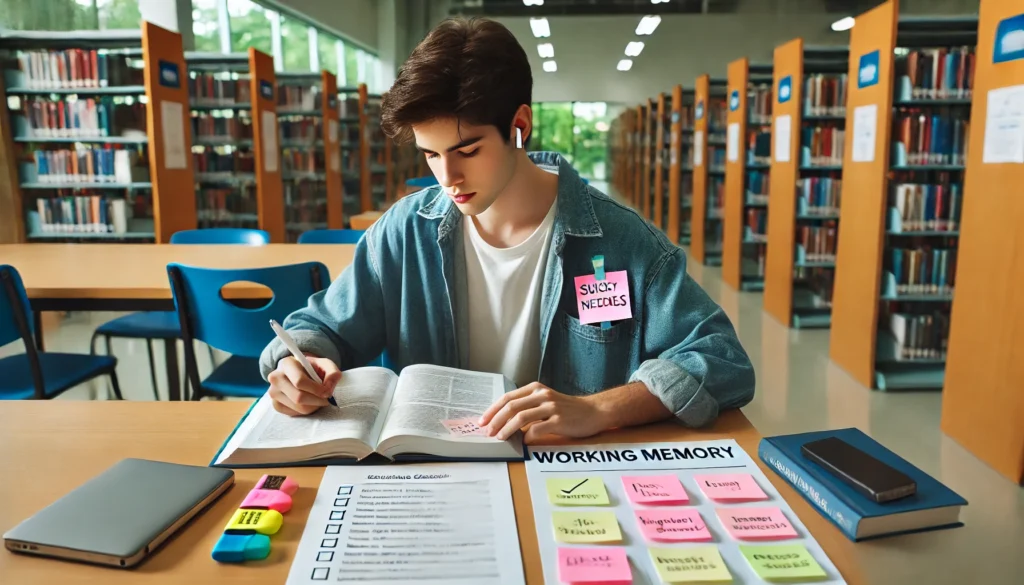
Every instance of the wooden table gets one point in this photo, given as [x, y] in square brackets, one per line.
[49, 448]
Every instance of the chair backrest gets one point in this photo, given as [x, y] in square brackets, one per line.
[205, 315]
[331, 236]
[422, 182]
[15, 312]
[242, 236]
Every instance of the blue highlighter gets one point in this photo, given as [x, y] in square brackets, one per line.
[237, 548]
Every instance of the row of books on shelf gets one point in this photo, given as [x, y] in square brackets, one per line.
[924, 270]
[211, 161]
[936, 138]
[818, 242]
[759, 103]
[718, 114]
[225, 205]
[76, 68]
[757, 222]
[88, 164]
[920, 336]
[302, 160]
[757, 184]
[825, 144]
[301, 128]
[928, 206]
[943, 73]
[305, 203]
[820, 282]
[825, 94]
[218, 89]
[212, 126]
[820, 195]
[759, 147]
[758, 256]
[716, 158]
[298, 97]
[83, 118]
[80, 214]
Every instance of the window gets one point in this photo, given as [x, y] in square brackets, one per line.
[49, 15]
[206, 25]
[327, 50]
[119, 14]
[250, 27]
[352, 66]
[294, 44]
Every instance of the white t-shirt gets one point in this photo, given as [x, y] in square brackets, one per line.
[505, 287]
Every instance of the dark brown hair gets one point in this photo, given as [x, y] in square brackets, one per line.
[473, 69]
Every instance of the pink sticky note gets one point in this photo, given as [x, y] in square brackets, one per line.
[664, 490]
[730, 487]
[464, 427]
[605, 566]
[756, 523]
[672, 525]
[605, 300]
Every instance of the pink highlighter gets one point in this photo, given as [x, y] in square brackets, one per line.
[273, 492]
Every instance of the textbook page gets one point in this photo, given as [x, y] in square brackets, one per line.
[429, 524]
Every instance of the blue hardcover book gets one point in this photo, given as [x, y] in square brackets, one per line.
[934, 506]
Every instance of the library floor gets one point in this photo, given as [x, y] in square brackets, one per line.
[798, 390]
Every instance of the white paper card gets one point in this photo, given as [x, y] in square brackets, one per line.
[783, 137]
[172, 126]
[865, 123]
[698, 148]
[732, 142]
[335, 162]
[269, 133]
[1004, 126]
[332, 130]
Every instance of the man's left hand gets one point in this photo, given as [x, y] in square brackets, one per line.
[549, 411]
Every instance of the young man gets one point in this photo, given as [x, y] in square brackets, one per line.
[478, 273]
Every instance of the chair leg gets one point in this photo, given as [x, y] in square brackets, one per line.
[115, 385]
[152, 369]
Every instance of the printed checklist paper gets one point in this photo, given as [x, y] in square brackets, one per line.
[430, 524]
[693, 512]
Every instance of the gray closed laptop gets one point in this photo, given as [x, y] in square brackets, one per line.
[120, 516]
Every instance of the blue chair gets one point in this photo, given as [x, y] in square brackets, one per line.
[331, 236]
[36, 374]
[164, 325]
[206, 315]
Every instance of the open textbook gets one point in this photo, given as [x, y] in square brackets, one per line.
[399, 417]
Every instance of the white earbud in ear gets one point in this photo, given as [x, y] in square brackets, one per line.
[519, 137]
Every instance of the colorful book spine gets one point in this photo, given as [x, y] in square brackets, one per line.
[825, 95]
[920, 336]
[221, 126]
[759, 103]
[217, 89]
[820, 195]
[825, 144]
[942, 73]
[924, 270]
[76, 68]
[292, 97]
[933, 137]
[818, 242]
[76, 214]
[82, 165]
[934, 207]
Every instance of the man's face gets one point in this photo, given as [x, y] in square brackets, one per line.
[472, 163]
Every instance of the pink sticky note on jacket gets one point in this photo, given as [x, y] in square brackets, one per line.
[604, 300]
[654, 490]
[672, 525]
[756, 523]
[605, 566]
[730, 487]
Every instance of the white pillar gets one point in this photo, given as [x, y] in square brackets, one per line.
[173, 15]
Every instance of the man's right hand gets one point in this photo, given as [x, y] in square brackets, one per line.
[294, 393]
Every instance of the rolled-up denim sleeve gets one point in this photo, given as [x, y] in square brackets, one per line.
[695, 363]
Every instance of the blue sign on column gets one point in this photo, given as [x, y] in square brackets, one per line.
[169, 76]
[734, 100]
[867, 72]
[785, 89]
[699, 110]
[1009, 45]
[266, 89]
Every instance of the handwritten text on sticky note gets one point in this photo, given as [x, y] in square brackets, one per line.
[464, 427]
[672, 525]
[782, 562]
[603, 300]
[756, 523]
[608, 565]
[730, 487]
[586, 527]
[662, 490]
[702, 564]
[577, 491]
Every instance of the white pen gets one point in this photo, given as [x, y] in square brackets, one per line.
[292, 347]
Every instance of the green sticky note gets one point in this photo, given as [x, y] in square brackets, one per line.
[586, 527]
[701, 564]
[788, 562]
[577, 491]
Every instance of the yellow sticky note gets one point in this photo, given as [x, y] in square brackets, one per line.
[586, 527]
[702, 564]
[577, 491]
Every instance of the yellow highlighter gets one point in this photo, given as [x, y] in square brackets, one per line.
[246, 521]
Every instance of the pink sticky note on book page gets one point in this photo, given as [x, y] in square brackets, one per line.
[730, 487]
[672, 525]
[654, 490]
[756, 523]
[603, 300]
[594, 566]
[464, 427]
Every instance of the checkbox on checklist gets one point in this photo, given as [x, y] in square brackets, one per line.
[340, 502]
[337, 515]
[325, 556]
[345, 490]
[320, 573]
[333, 529]
[329, 543]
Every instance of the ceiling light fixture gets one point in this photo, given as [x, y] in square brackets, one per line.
[843, 24]
[546, 50]
[648, 24]
[550, 66]
[533, 2]
[625, 65]
[634, 48]
[652, 1]
[540, 27]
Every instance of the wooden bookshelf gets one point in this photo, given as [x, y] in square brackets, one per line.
[698, 162]
[706, 222]
[982, 400]
[649, 112]
[350, 125]
[638, 157]
[861, 342]
[334, 190]
[798, 287]
[683, 167]
[658, 165]
[303, 127]
[269, 188]
[674, 165]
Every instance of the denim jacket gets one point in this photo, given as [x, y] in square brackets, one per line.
[404, 293]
